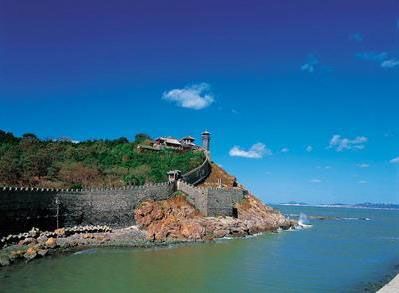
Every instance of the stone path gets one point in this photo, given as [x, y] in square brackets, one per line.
[391, 287]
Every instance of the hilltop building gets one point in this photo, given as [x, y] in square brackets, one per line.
[183, 144]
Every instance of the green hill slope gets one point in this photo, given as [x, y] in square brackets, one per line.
[29, 161]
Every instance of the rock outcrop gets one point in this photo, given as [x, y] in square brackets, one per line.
[219, 178]
[177, 219]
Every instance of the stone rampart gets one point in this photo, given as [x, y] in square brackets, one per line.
[212, 201]
[221, 201]
[24, 208]
[198, 174]
[196, 196]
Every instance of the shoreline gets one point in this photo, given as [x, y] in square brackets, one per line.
[121, 238]
[129, 237]
[35, 248]
[391, 287]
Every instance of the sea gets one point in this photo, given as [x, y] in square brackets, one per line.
[336, 250]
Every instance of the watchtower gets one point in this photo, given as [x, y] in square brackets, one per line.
[206, 140]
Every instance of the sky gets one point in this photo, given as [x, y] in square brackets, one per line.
[301, 97]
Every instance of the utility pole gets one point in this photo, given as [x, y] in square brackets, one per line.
[57, 202]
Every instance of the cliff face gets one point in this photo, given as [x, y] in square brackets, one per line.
[175, 219]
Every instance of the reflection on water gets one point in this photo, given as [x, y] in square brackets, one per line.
[333, 256]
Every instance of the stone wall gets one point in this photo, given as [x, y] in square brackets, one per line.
[196, 196]
[212, 201]
[221, 200]
[198, 174]
[22, 209]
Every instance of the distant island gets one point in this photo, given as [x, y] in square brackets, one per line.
[366, 205]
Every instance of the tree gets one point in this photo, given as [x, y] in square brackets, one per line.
[30, 136]
[7, 137]
[141, 137]
[10, 167]
[77, 173]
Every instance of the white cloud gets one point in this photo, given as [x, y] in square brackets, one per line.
[315, 181]
[364, 165]
[394, 161]
[196, 96]
[257, 151]
[309, 148]
[372, 56]
[357, 37]
[308, 67]
[340, 143]
[391, 63]
[363, 182]
[285, 150]
[311, 63]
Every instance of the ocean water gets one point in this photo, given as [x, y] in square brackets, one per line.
[348, 253]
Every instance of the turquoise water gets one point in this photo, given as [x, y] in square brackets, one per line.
[332, 256]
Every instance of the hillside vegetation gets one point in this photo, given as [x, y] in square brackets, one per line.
[30, 161]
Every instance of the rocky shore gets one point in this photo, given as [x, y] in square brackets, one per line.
[59, 241]
[165, 222]
[177, 219]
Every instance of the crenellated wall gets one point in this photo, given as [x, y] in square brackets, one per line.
[212, 201]
[24, 208]
[198, 174]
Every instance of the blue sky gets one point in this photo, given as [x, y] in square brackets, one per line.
[302, 98]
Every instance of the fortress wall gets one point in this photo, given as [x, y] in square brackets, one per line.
[212, 202]
[22, 209]
[221, 201]
[198, 174]
[196, 196]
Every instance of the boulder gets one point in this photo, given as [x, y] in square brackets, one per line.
[4, 261]
[220, 233]
[60, 232]
[42, 239]
[27, 241]
[51, 243]
[42, 252]
[30, 254]
[16, 254]
[192, 230]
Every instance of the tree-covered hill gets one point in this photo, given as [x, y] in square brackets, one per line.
[30, 161]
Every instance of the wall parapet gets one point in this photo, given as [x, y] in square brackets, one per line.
[200, 173]
[86, 189]
[24, 208]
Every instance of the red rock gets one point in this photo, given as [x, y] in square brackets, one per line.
[175, 218]
[60, 232]
[51, 243]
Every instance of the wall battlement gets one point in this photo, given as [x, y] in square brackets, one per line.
[22, 208]
[198, 174]
[38, 189]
